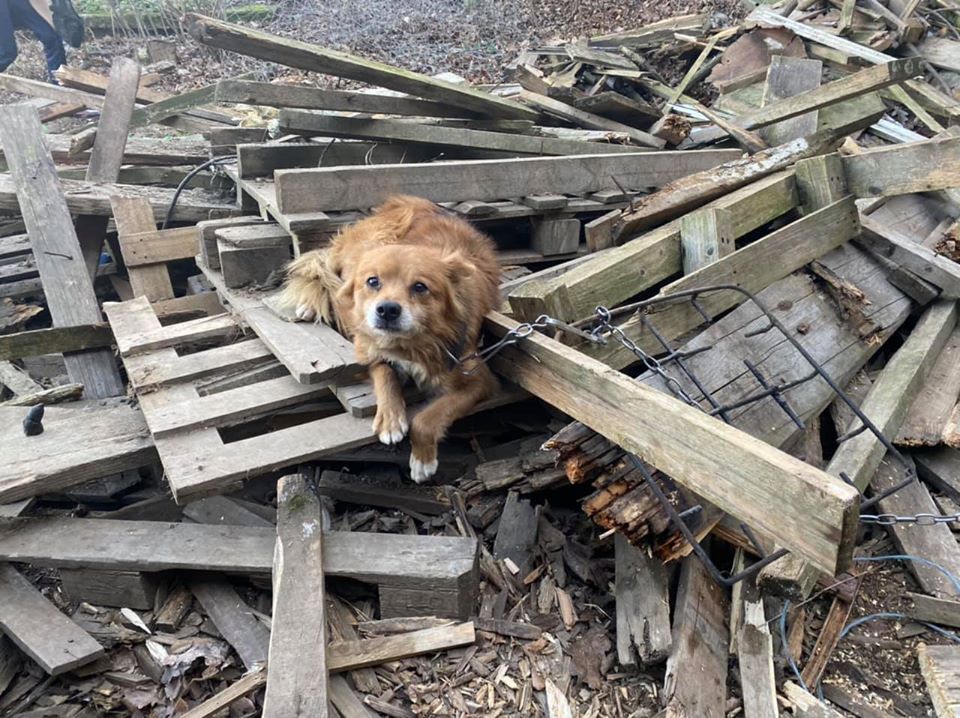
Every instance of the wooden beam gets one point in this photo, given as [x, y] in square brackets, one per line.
[233, 619]
[859, 83]
[158, 246]
[38, 628]
[134, 216]
[305, 56]
[858, 457]
[699, 646]
[313, 123]
[706, 236]
[297, 669]
[67, 286]
[820, 181]
[315, 98]
[107, 154]
[55, 340]
[660, 430]
[335, 188]
[904, 169]
[430, 563]
[694, 190]
[588, 120]
[806, 705]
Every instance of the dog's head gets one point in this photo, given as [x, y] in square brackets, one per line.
[402, 291]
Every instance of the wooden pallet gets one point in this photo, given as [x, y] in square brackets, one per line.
[186, 424]
[188, 420]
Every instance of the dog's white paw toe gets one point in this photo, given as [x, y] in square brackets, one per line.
[421, 471]
[305, 313]
[393, 435]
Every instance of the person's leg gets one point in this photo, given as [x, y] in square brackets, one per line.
[8, 41]
[25, 17]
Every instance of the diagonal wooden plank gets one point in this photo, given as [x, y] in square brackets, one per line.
[67, 286]
[305, 56]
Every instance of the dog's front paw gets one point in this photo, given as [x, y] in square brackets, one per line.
[391, 425]
[420, 469]
[305, 313]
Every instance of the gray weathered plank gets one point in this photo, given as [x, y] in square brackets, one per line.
[67, 286]
[362, 187]
[39, 629]
[297, 671]
[305, 56]
[80, 442]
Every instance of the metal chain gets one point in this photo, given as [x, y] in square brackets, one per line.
[918, 519]
[604, 325]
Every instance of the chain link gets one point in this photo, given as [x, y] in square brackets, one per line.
[918, 519]
[604, 326]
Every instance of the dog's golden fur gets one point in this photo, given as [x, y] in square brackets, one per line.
[440, 276]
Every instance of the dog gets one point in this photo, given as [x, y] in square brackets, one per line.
[410, 285]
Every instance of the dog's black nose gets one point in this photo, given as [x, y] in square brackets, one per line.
[389, 310]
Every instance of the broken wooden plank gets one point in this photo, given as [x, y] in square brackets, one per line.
[107, 154]
[657, 428]
[349, 655]
[313, 352]
[67, 286]
[233, 619]
[313, 123]
[297, 671]
[643, 606]
[806, 705]
[755, 655]
[79, 442]
[334, 188]
[216, 703]
[41, 631]
[927, 418]
[699, 646]
[443, 565]
[940, 666]
[305, 56]
[942, 611]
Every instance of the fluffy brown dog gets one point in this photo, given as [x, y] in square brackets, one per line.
[410, 284]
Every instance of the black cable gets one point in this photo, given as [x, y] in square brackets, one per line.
[190, 175]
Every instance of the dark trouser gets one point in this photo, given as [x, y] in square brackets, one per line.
[20, 15]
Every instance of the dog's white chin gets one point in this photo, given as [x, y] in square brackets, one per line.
[420, 471]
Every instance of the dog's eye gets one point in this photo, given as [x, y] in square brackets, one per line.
[419, 288]
[373, 282]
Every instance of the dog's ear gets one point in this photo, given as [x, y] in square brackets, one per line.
[458, 266]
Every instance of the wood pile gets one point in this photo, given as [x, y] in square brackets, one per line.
[727, 430]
